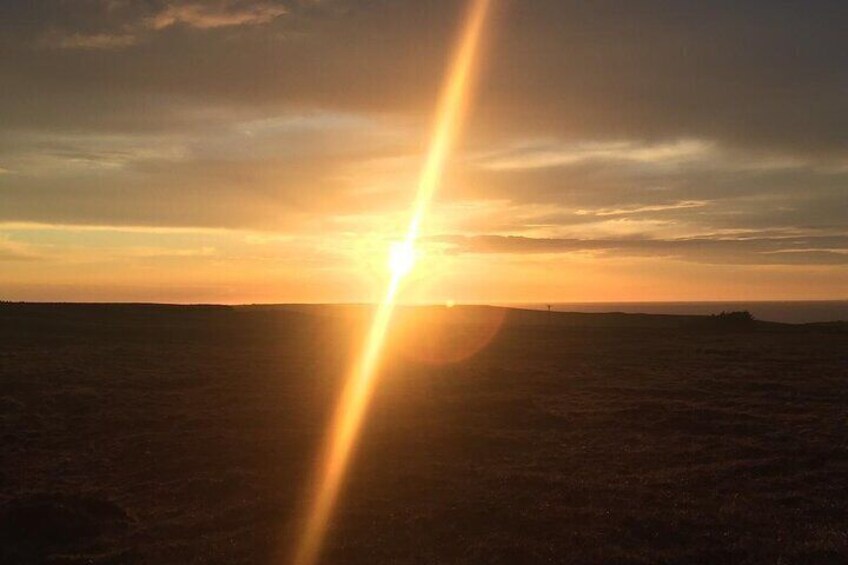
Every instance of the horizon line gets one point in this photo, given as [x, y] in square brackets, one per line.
[505, 304]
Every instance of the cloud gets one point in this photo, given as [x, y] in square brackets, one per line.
[698, 191]
[16, 251]
[207, 15]
[649, 74]
[94, 41]
[282, 173]
[809, 250]
[762, 76]
[112, 25]
[552, 154]
[632, 210]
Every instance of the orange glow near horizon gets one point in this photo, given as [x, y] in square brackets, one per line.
[352, 406]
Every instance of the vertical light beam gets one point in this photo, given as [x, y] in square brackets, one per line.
[350, 411]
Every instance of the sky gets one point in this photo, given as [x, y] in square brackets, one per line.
[241, 151]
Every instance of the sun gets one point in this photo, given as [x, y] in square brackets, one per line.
[402, 257]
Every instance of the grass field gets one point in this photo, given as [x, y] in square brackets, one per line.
[152, 434]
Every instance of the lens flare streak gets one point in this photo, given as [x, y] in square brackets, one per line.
[352, 406]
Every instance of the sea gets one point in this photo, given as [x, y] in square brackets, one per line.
[790, 312]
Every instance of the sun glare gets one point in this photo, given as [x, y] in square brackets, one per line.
[350, 410]
[402, 256]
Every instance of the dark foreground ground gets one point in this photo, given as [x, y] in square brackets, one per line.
[188, 435]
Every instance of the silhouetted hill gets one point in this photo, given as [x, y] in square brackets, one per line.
[92, 315]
